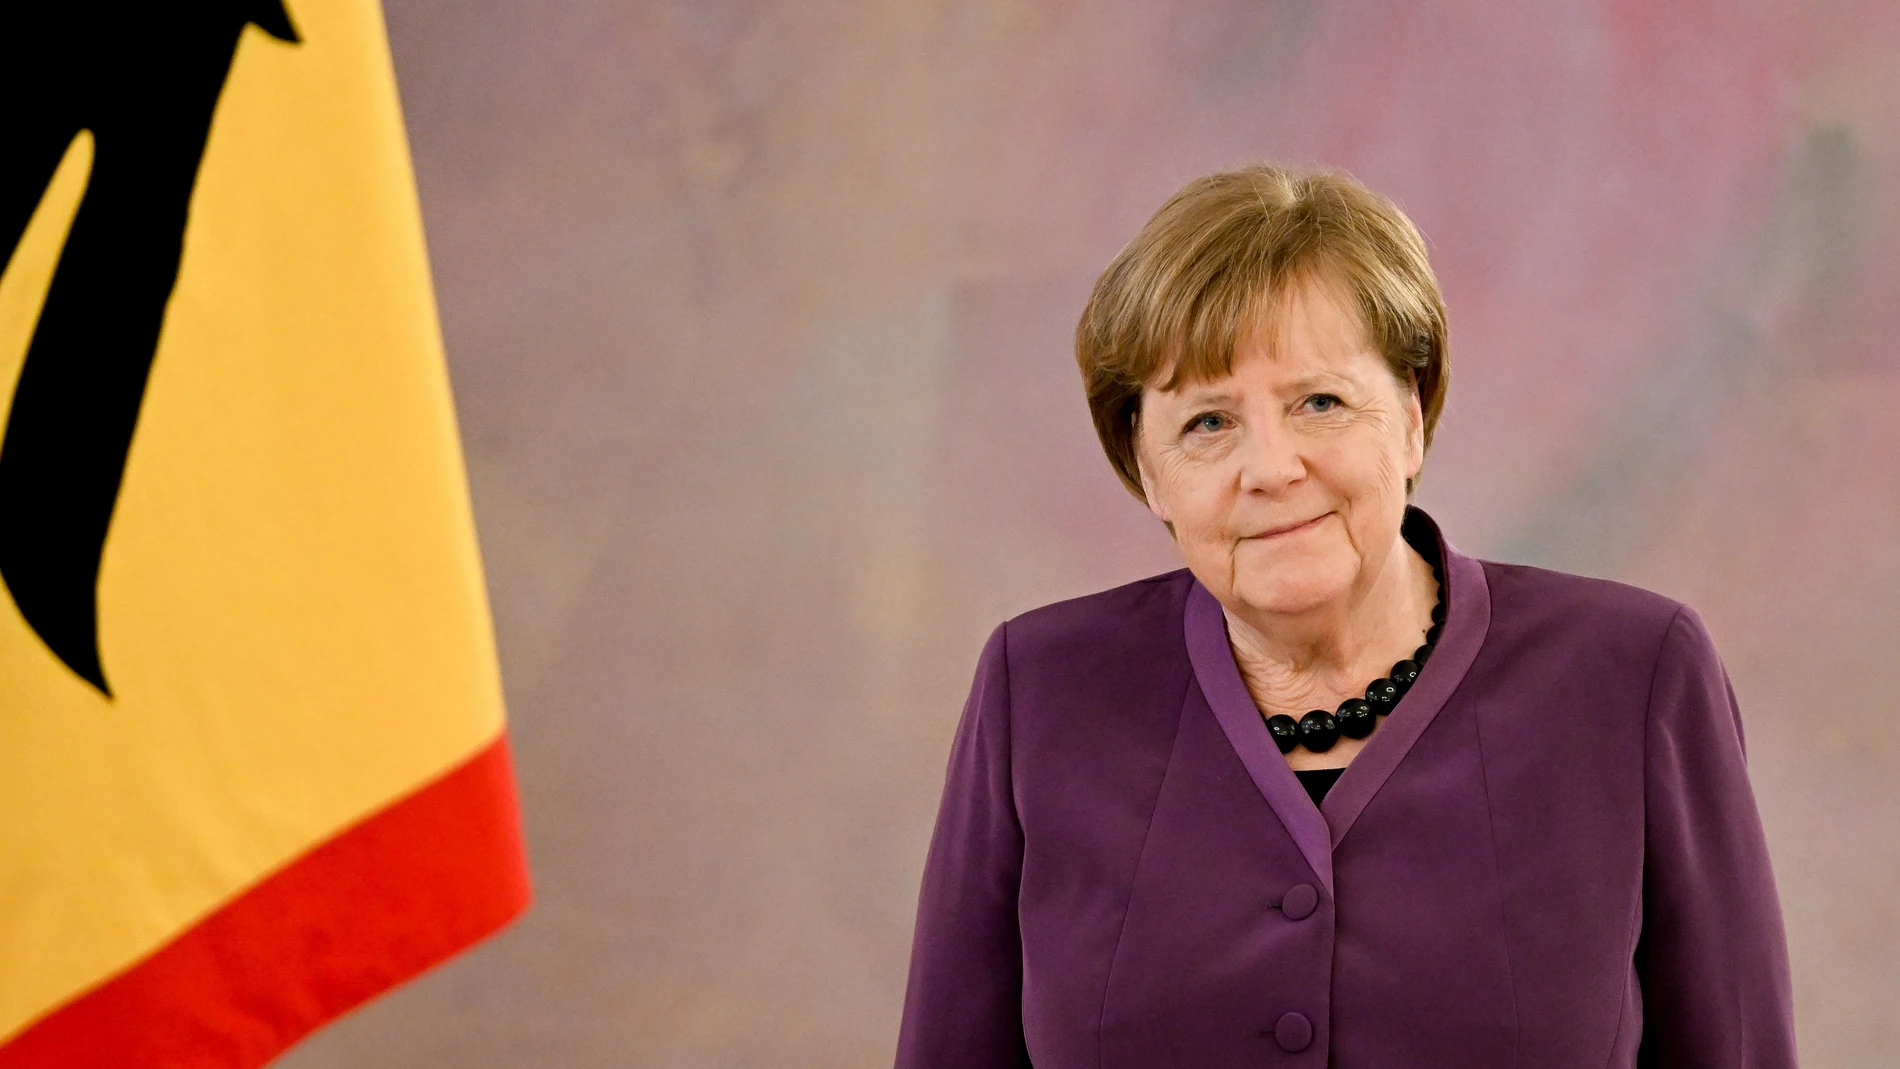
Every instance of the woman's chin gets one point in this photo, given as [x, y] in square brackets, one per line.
[1289, 584]
[1283, 599]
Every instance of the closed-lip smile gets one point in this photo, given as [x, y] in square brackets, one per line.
[1290, 528]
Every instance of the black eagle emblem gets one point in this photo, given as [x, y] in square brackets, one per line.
[144, 78]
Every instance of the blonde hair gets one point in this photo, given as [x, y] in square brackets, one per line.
[1217, 259]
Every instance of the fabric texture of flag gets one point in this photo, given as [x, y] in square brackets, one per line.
[253, 767]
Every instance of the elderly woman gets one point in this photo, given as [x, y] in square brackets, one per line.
[1335, 794]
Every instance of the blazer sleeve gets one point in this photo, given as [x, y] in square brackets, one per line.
[964, 1004]
[1712, 958]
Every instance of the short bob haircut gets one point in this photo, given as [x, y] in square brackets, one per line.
[1218, 258]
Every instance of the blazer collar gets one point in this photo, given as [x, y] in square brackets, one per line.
[1317, 830]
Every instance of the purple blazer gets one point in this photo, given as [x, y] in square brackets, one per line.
[1547, 856]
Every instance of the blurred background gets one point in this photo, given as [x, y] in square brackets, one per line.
[758, 314]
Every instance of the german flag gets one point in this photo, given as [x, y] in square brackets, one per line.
[252, 761]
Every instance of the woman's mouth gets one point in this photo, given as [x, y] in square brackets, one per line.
[1292, 528]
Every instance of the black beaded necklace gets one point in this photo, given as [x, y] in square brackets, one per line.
[1357, 717]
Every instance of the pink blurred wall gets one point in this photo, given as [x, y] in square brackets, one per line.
[759, 313]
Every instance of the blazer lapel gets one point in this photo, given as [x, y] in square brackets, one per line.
[1219, 679]
[1317, 830]
[1467, 619]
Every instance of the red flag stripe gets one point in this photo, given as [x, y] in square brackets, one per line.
[407, 887]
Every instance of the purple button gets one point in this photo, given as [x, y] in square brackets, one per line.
[1293, 1032]
[1300, 902]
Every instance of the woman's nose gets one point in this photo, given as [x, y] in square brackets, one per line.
[1270, 460]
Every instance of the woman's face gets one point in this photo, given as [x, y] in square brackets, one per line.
[1285, 480]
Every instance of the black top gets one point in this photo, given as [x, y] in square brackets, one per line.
[1318, 781]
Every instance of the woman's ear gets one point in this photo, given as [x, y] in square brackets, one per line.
[1149, 492]
[1414, 431]
[1155, 504]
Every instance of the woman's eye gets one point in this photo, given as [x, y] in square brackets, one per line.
[1208, 421]
[1323, 402]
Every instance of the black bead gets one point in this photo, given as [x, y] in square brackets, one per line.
[1438, 613]
[1286, 733]
[1318, 731]
[1431, 637]
[1356, 718]
[1422, 654]
[1405, 673]
[1383, 694]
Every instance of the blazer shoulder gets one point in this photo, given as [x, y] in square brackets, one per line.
[1528, 599]
[1136, 624]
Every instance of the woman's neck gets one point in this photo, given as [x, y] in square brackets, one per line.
[1317, 660]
